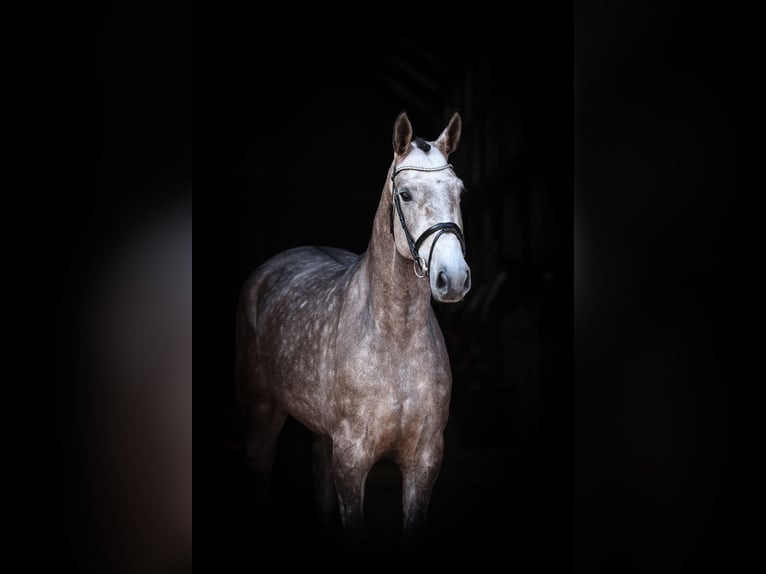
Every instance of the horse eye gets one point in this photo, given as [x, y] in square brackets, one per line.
[405, 195]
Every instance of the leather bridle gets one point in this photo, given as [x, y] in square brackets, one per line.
[440, 228]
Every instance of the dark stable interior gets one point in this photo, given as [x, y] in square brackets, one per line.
[304, 146]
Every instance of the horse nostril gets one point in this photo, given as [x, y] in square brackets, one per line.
[467, 282]
[441, 281]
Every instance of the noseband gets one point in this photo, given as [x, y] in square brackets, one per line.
[420, 264]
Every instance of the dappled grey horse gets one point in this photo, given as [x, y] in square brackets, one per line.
[349, 345]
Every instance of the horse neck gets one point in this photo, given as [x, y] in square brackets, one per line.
[400, 301]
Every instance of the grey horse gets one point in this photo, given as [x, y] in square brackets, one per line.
[349, 345]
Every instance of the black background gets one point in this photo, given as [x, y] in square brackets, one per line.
[668, 290]
[648, 458]
[304, 141]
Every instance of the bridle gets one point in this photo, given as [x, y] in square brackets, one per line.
[420, 264]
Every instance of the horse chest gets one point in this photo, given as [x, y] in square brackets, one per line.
[403, 370]
[385, 399]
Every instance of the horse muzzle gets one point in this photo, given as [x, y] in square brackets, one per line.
[449, 284]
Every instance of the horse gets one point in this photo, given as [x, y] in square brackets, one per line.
[349, 345]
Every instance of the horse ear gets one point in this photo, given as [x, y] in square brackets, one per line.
[402, 134]
[450, 137]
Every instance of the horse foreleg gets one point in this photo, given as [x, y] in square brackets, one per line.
[350, 466]
[327, 496]
[418, 478]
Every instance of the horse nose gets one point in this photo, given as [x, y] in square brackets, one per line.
[442, 283]
[452, 286]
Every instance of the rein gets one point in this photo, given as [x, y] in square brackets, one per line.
[419, 263]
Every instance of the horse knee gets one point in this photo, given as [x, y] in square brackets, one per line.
[349, 471]
[349, 482]
[417, 485]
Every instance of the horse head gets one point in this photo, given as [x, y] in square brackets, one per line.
[425, 196]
